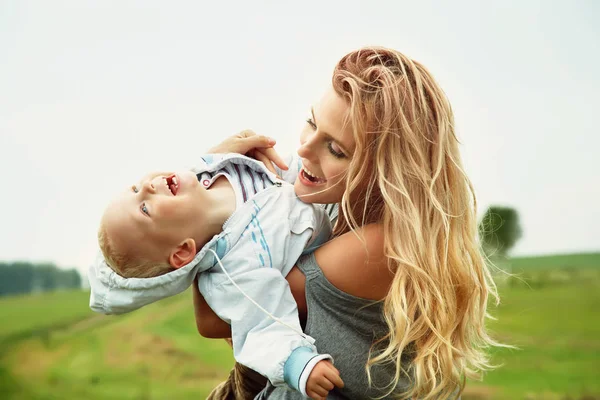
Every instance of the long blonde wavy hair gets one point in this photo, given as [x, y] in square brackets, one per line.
[407, 150]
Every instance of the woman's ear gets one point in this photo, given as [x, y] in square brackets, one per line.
[183, 254]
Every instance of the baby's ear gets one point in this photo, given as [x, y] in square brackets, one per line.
[183, 254]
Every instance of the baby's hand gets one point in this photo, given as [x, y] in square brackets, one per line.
[322, 379]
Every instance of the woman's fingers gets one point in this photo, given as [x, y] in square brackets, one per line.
[246, 133]
[251, 142]
[256, 146]
[258, 155]
[274, 157]
[242, 143]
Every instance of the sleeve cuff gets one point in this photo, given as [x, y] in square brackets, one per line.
[299, 365]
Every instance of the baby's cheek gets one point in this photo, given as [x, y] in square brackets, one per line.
[177, 209]
[162, 211]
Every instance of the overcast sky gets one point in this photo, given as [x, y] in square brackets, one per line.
[94, 94]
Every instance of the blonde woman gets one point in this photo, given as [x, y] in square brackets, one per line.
[398, 296]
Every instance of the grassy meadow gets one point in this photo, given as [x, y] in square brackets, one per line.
[53, 347]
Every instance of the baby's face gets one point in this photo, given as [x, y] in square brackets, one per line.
[151, 218]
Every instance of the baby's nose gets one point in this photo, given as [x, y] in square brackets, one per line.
[149, 187]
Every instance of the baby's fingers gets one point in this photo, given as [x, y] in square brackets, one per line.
[333, 376]
[317, 392]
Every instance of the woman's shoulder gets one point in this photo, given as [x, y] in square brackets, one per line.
[355, 262]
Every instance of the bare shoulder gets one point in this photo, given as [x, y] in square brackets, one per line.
[357, 267]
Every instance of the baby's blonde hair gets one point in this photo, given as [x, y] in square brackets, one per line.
[407, 150]
[125, 264]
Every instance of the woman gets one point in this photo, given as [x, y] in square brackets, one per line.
[398, 297]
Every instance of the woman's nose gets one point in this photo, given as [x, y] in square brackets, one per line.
[307, 146]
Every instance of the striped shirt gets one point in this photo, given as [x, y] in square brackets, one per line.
[245, 181]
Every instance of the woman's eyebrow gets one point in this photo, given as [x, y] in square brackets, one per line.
[312, 111]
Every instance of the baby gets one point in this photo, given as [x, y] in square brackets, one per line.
[241, 229]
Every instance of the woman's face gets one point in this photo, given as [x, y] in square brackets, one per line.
[326, 147]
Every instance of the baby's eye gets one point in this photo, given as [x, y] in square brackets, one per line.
[134, 189]
[144, 209]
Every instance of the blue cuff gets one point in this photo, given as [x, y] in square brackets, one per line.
[295, 364]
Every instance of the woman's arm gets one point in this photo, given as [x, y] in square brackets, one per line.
[353, 267]
[211, 326]
[208, 323]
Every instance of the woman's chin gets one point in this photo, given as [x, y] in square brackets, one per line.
[319, 194]
[308, 194]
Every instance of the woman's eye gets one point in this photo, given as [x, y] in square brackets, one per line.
[134, 189]
[335, 150]
[311, 123]
[144, 209]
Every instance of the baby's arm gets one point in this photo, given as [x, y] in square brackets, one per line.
[279, 352]
[266, 337]
[209, 324]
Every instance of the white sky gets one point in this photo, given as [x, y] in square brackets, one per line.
[93, 94]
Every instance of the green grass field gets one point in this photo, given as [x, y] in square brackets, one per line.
[53, 347]
[551, 315]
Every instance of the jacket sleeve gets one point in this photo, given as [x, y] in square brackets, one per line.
[247, 287]
[260, 342]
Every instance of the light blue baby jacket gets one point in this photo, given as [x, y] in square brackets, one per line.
[258, 246]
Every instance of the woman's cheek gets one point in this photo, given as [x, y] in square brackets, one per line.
[336, 175]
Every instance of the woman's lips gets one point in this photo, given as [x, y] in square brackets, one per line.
[306, 179]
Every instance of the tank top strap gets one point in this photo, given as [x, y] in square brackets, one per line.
[309, 267]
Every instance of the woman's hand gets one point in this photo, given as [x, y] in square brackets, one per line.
[256, 146]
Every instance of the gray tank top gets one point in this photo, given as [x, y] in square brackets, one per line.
[344, 326]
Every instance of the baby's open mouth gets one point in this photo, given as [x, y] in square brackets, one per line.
[173, 184]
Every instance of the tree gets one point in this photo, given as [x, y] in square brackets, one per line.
[24, 277]
[70, 279]
[500, 230]
[47, 276]
[16, 277]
